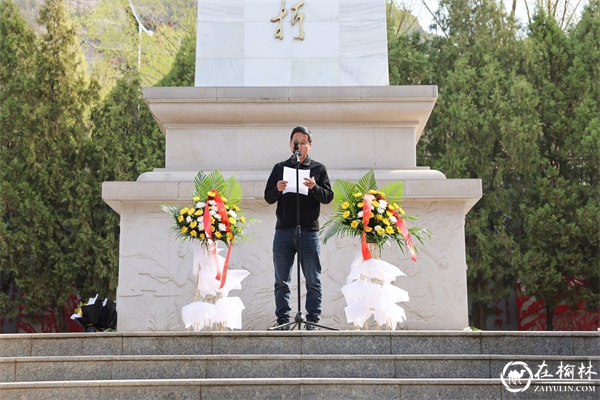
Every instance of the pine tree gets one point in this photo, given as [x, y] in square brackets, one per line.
[48, 232]
[485, 126]
[183, 70]
[561, 229]
[16, 101]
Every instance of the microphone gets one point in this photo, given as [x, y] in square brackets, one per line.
[296, 145]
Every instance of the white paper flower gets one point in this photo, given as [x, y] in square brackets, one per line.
[369, 292]
[232, 214]
[200, 204]
[188, 219]
[226, 310]
[222, 227]
[199, 313]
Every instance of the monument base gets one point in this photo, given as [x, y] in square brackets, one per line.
[244, 132]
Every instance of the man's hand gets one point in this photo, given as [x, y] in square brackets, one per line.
[281, 185]
[310, 182]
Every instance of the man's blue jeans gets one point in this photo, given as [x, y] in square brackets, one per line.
[284, 253]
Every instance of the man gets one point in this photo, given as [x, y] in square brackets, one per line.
[284, 247]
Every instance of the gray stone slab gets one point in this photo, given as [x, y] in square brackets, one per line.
[183, 368]
[14, 346]
[451, 391]
[527, 345]
[56, 370]
[77, 345]
[436, 344]
[363, 391]
[359, 343]
[7, 370]
[440, 368]
[139, 391]
[586, 345]
[235, 367]
[243, 392]
[344, 367]
[288, 343]
[167, 344]
[52, 393]
[98, 344]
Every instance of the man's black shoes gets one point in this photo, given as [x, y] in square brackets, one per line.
[279, 325]
[309, 326]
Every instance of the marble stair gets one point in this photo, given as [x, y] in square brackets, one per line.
[290, 365]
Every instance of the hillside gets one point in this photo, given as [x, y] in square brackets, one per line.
[30, 8]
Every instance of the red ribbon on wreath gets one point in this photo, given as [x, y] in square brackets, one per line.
[367, 202]
[209, 235]
[404, 231]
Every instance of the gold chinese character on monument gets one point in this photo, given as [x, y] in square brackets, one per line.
[279, 17]
[296, 17]
[299, 17]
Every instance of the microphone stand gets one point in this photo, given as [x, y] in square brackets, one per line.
[299, 319]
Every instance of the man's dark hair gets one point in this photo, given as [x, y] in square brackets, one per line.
[304, 130]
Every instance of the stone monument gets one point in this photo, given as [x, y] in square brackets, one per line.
[252, 87]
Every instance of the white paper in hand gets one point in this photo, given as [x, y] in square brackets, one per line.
[289, 175]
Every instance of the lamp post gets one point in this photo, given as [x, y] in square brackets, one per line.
[141, 28]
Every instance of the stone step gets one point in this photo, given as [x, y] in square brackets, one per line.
[302, 343]
[285, 388]
[291, 365]
[55, 368]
